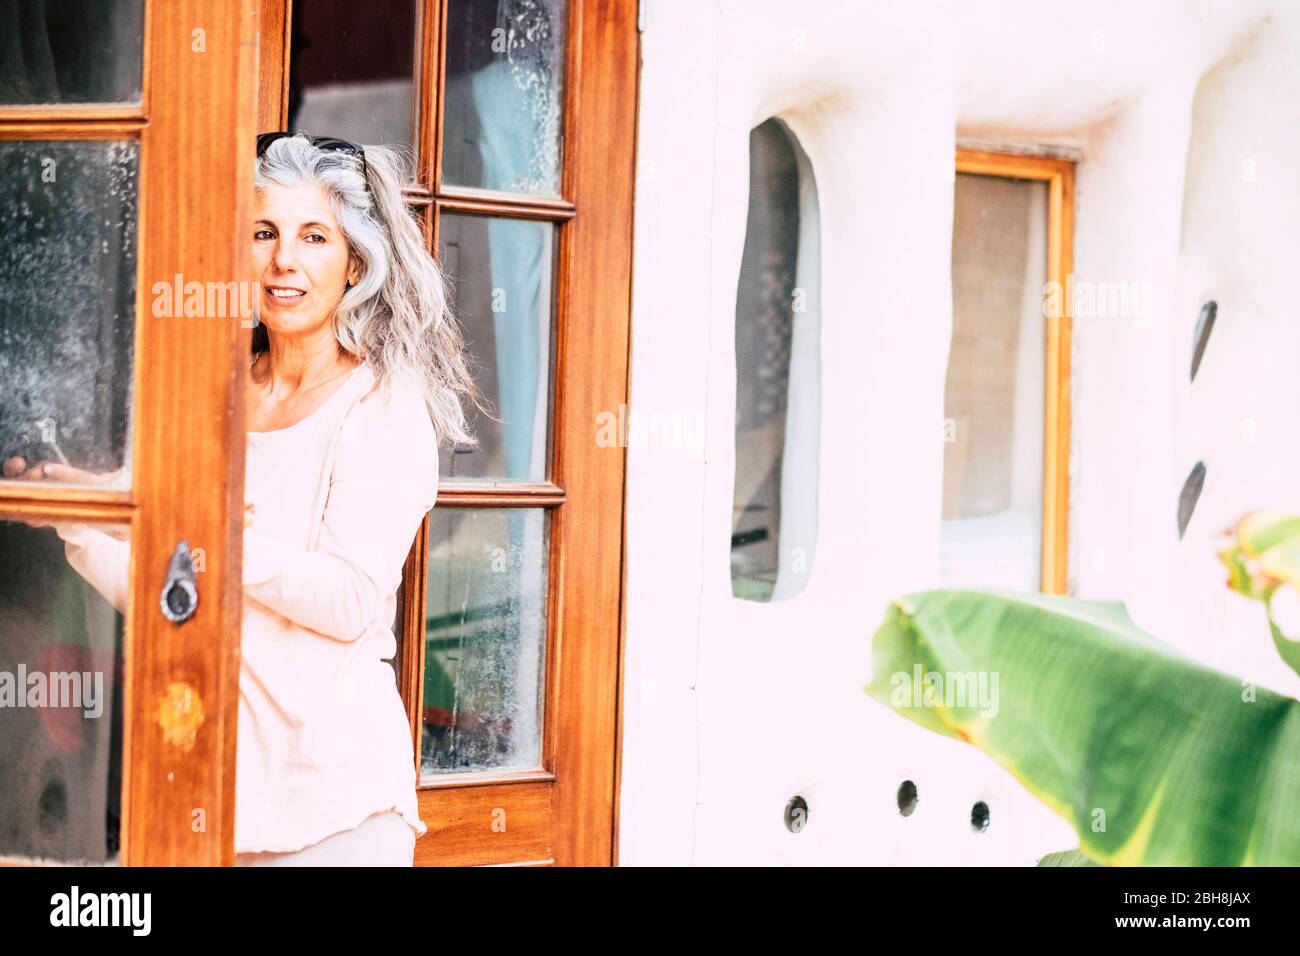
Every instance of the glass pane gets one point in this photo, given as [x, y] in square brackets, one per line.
[352, 68]
[61, 671]
[485, 639]
[71, 51]
[778, 403]
[993, 403]
[504, 98]
[67, 308]
[501, 271]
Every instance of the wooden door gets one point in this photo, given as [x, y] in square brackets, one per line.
[126, 137]
[521, 120]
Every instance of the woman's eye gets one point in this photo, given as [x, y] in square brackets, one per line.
[316, 237]
[263, 234]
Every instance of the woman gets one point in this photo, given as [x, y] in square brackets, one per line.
[357, 374]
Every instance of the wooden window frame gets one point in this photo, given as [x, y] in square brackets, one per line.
[564, 812]
[1059, 175]
[194, 126]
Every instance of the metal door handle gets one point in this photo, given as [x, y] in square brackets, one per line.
[180, 596]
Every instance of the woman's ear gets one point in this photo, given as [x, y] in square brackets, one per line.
[354, 271]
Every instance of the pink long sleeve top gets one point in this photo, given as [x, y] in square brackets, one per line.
[323, 738]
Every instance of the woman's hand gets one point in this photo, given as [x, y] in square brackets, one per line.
[18, 469]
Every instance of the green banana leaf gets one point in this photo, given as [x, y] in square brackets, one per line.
[1153, 758]
[1067, 858]
[1262, 554]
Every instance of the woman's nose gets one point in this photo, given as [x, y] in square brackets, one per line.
[286, 256]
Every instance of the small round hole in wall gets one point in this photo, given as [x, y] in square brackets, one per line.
[979, 817]
[796, 814]
[1201, 335]
[907, 798]
[1189, 496]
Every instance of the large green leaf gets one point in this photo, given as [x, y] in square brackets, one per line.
[1153, 758]
[1067, 858]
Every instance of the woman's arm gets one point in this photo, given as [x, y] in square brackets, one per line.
[100, 554]
[102, 559]
[383, 483]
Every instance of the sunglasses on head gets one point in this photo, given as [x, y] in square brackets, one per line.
[320, 142]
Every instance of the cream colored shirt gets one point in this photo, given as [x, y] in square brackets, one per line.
[323, 738]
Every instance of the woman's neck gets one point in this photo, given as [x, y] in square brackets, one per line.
[292, 365]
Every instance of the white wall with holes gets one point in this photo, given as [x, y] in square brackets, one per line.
[1185, 119]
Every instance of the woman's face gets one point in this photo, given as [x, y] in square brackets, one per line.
[300, 256]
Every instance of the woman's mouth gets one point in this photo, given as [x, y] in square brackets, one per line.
[284, 294]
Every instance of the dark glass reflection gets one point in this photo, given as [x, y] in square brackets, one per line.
[774, 514]
[71, 51]
[352, 69]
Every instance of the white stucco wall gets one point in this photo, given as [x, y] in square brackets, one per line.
[1185, 117]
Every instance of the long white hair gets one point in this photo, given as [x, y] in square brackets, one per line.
[396, 318]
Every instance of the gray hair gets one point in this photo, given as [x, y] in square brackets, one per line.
[396, 318]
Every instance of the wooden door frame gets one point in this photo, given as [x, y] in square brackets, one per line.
[194, 125]
[563, 813]
[1059, 176]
